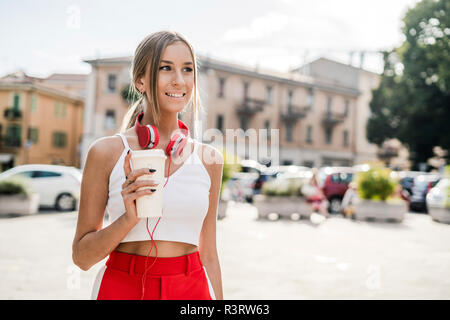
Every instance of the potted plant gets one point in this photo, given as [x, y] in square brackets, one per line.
[16, 197]
[283, 197]
[378, 196]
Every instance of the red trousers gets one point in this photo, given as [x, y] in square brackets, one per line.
[174, 278]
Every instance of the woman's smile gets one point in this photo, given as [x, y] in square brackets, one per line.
[176, 96]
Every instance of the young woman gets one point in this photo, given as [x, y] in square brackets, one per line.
[183, 263]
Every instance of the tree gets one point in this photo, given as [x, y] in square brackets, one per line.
[412, 102]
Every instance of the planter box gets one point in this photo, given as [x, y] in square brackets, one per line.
[379, 210]
[19, 204]
[283, 206]
[439, 214]
[222, 210]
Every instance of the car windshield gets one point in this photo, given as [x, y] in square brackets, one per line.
[420, 185]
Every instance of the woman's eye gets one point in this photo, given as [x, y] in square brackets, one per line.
[187, 69]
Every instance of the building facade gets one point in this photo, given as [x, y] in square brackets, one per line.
[38, 124]
[316, 121]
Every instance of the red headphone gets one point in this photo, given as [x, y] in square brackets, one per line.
[149, 137]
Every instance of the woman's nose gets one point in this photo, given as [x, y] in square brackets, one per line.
[178, 78]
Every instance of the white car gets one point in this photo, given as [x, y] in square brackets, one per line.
[58, 186]
[438, 201]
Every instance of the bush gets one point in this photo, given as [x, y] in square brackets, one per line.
[13, 186]
[230, 166]
[282, 188]
[375, 184]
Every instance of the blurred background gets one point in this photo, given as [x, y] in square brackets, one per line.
[354, 203]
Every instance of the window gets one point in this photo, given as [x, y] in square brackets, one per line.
[33, 103]
[59, 139]
[345, 137]
[46, 174]
[13, 137]
[244, 123]
[310, 98]
[267, 127]
[268, 94]
[309, 134]
[246, 87]
[16, 101]
[290, 94]
[32, 135]
[110, 119]
[346, 107]
[112, 78]
[342, 177]
[26, 174]
[308, 163]
[328, 135]
[219, 124]
[289, 129]
[221, 91]
[329, 101]
[60, 109]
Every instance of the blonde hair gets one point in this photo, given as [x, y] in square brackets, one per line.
[146, 60]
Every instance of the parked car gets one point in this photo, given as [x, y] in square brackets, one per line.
[334, 182]
[406, 181]
[261, 174]
[241, 186]
[438, 201]
[420, 187]
[58, 186]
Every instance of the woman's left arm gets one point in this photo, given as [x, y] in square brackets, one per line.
[213, 161]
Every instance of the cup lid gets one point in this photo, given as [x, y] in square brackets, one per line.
[148, 153]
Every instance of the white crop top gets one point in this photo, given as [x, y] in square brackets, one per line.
[185, 201]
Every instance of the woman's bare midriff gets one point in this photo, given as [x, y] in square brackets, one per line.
[165, 248]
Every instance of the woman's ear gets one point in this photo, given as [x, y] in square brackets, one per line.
[140, 84]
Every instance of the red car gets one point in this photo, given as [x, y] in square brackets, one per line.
[334, 183]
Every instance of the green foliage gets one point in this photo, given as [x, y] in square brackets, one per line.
[129, 95]
[411, 102]
[282, 188]
[230, 166]
[13, 186]
[375, 184]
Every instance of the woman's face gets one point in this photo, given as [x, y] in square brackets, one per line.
[175, 78]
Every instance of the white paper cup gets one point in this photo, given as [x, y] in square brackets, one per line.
[150, 205]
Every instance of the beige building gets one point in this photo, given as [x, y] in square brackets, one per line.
[321, 121]
[38, 123]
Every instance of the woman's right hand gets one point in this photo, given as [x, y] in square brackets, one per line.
[130, 186]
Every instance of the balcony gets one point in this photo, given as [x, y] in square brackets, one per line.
[250, 107]
[12, 114]
[292, 113]
[10, 143]
[332, 118]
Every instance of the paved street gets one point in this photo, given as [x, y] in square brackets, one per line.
[259, 259]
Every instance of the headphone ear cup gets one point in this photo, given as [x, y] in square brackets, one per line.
[176, 145]
[143, 136]
[148, 135]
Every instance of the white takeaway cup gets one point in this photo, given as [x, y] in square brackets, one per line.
[150, 205]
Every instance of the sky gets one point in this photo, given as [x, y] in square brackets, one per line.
[43, 37]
